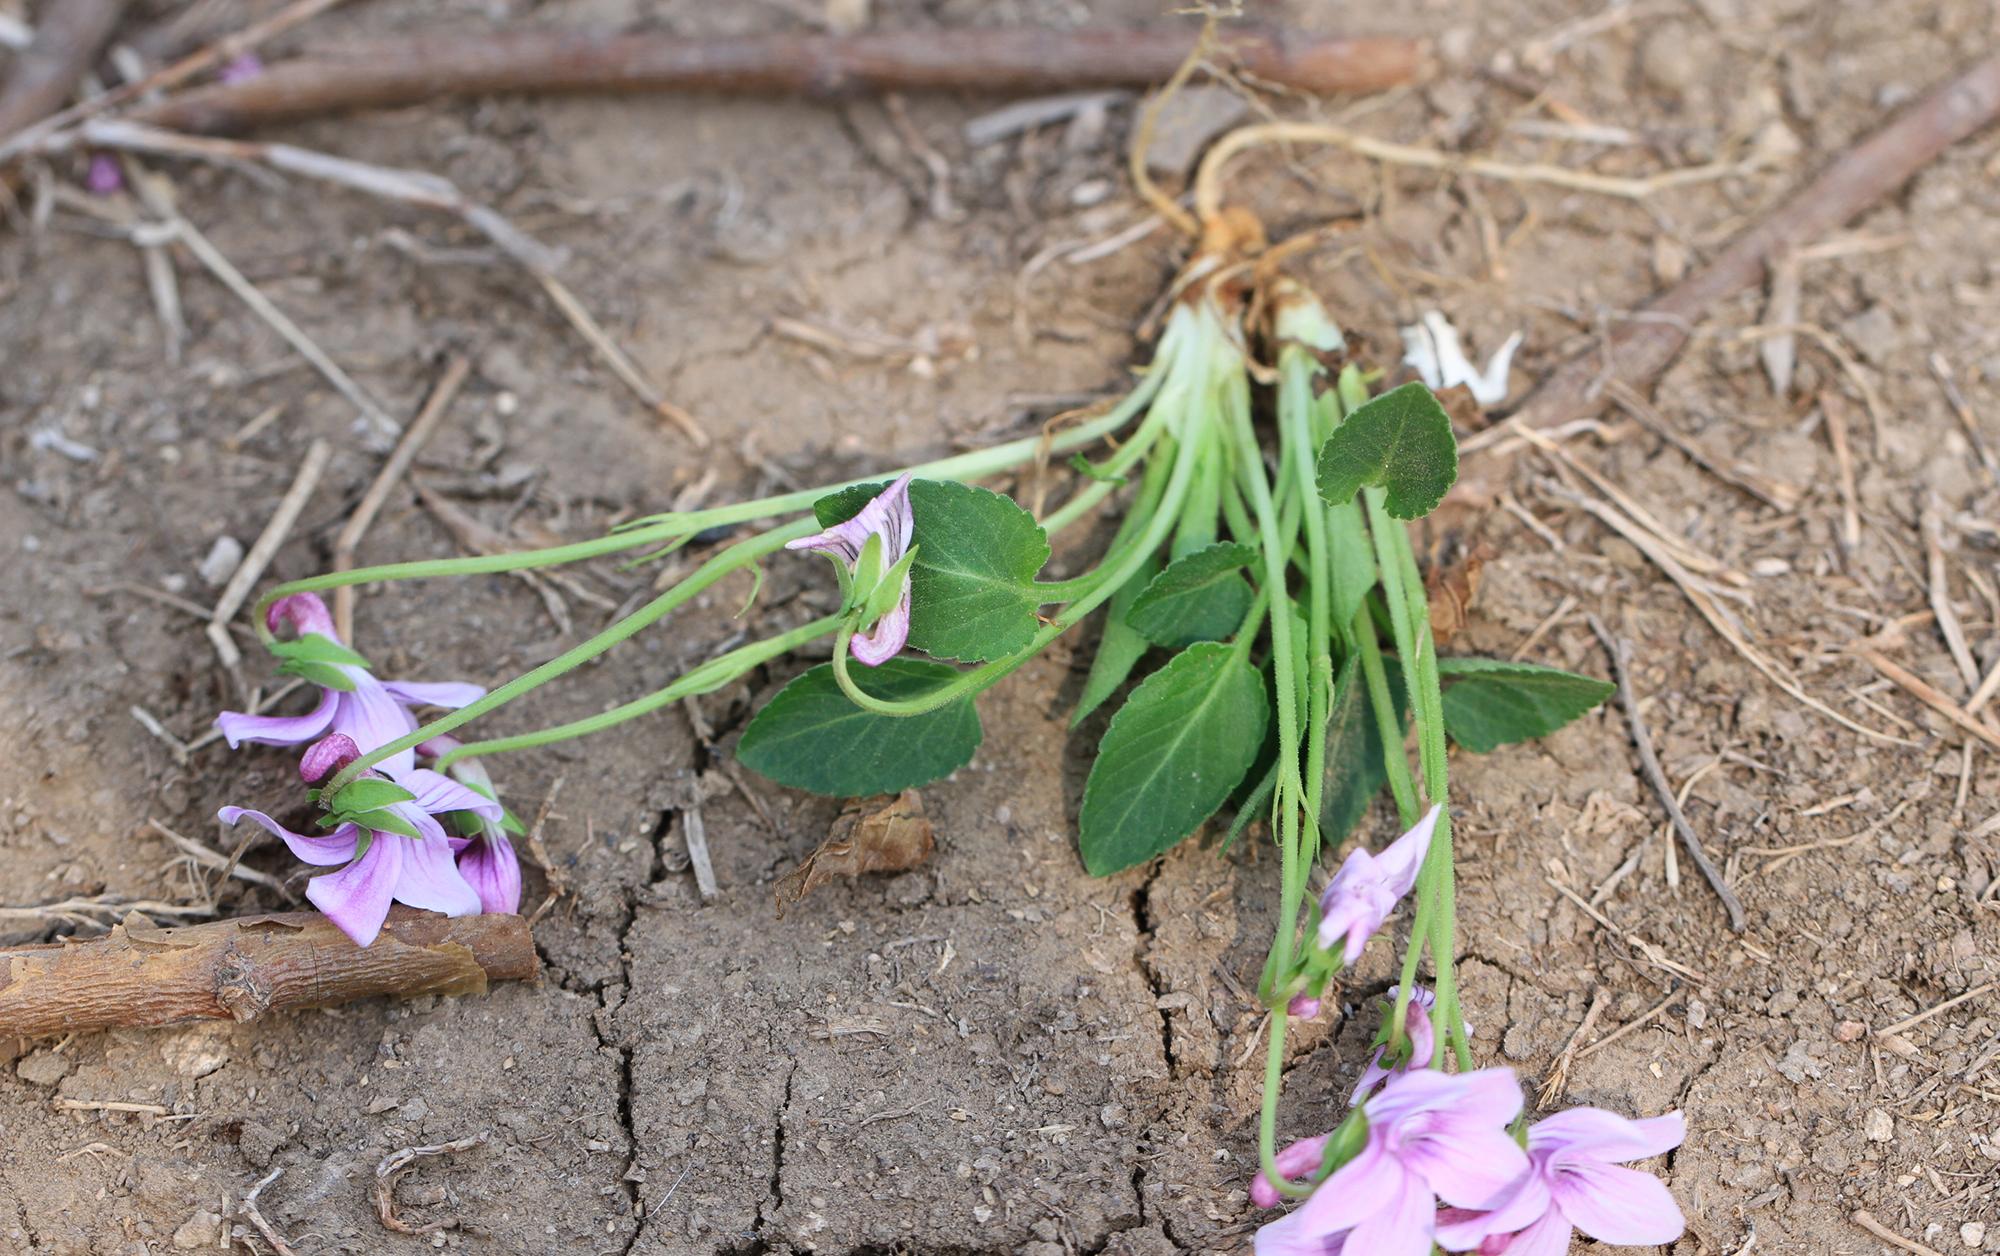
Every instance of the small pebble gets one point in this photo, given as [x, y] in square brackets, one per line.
[224, 557]
[1972, 1233]
[198, 1232]
[1849, 1031]
[1878, 1126]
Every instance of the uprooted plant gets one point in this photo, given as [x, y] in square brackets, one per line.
[1263, 547]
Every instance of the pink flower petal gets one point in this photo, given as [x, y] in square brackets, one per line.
[449, 694]
[1288, 1237]
[321, 850]
[1527, 1200]
[437, 793]
[1624, 1207]
[1402, 858]
[430, 880]
[374, 719]
[1546, 1237]
[882, 642]
[1600, 1135]
[1355, 1191]
[491, 868]
[357, 897]
[1400, 1225]
[279, 730]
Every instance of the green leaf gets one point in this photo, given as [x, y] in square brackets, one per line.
[325, 675]
[370, 793]
[972, 587]
[1402, 441]
[1120, 648]
[1172, 755]
[317, 648]
[1355, 769]
[1084, 466]
[1201, 596]
[384, 821]
[812, 736]
[1492, 702]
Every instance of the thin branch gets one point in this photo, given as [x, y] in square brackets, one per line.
[67, 42]
[1621, 653]
[414, 437]
[455, 63]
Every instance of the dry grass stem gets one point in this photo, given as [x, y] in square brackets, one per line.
[1928, 694]
[414, 438]
[1208, 180]
[1695, 592]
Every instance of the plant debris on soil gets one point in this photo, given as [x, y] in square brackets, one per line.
[990, 1051]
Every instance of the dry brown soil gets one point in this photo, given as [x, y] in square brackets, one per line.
[997, 1053]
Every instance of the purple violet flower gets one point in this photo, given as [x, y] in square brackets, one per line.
[103, 177]
[888, 516]
[1573, 1181]
[1431, 1135]
[243, 66]
[1365, 890]
[380, 866]
[372, 714]
[1304, 1006]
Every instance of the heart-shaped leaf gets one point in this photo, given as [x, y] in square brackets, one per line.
[1201, 596]
[811, 736]
[1401, 441]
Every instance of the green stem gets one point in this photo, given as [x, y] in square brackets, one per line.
[738, 555]
[1267, 1116]
[706, 678]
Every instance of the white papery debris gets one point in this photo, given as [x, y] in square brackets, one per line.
[1432, 347]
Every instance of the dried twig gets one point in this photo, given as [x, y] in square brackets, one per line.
[179, 72]
[1703, 601]
[1863, 1218]
[1834, 410]
[1645, 342]
[1630, 1027]
[458, 62]
[1949, 627]
[397, 1163]
[1552, 1089]
[1774, 492]
[67, 42]
[153, 192]
[219, 862]
[1911, 1022]
[263, 549]
[240, 969]
[1961, 408]
[251, 1211]
[1620, 653]
[414, 438]
[1928, 694]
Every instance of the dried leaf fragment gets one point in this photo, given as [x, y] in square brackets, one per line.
[880, 834]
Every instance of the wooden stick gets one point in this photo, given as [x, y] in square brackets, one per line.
[405, 453]
[454, 63]
[1620, 652]
[1646, 342]
[1911, 1022]
[67, 42]
[241, 969]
